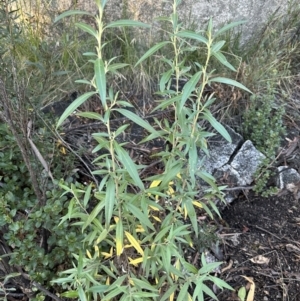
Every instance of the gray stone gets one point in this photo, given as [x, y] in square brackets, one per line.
[232, 164]
[246, 162]
[286, 176]
[220, 151]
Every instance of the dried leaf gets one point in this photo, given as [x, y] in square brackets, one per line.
[292, 248]
[259, 259]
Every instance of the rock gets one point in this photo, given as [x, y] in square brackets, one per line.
[288, 180]
[246, 163]
[286, 176]
[232, 164]
[220, 151]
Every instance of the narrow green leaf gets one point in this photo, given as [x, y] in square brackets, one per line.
[144, 284]
[208, 291]
[190, 268]
[116, 66]
[209, 267]
[103, 235]
[70, 294]
[220, 283]
[144, 220]
[165, 79]
[124, 23]
[121, 129]
[80, 263]
[210, 26]
[169, 292]
[101, 80]
[87, 195]
[166, 103]
[89, 53]
[144, 296]
[151, 51]
[62, 280]
[129, 165]
[83, 81]
[93, 214]
[192, 35]
[228, 26]
[91, 115]
[207, 210]
[136, 119]
[217, 125]
[170, 175]
[158, 238]
[87, 28]
[217, 46]
[198, 292]
[183, 294]
[192, 215]
[81, 294]
[208, 178]
[222, 59]
[188, 88]
[193, 158]
[117, 291]
[73, 106]
[166, 258]
[209, 101]
[231, 82]
[98, 288]
[215, 208]
[108, 272]
[71, 13]
[109, 201]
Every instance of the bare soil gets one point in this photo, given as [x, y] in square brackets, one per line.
[261, 240]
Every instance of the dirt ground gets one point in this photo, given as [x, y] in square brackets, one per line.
[261, 240]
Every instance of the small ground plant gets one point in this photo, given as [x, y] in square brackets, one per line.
[263, 125]
[136, 236]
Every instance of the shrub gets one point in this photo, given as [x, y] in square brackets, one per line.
[136, 236]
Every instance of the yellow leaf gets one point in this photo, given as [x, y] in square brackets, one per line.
[107, 281]
[116, 219]
[185, 212]
[154, 208]
[139, 229]
[171, 191]
[134, 243]
[172, 297]
[136, 261]
[155, 183]
[197, 204]
[131, 282]
[88, 254]
[97, 251]
[108, 255]
[63, 150]
[156, 218]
